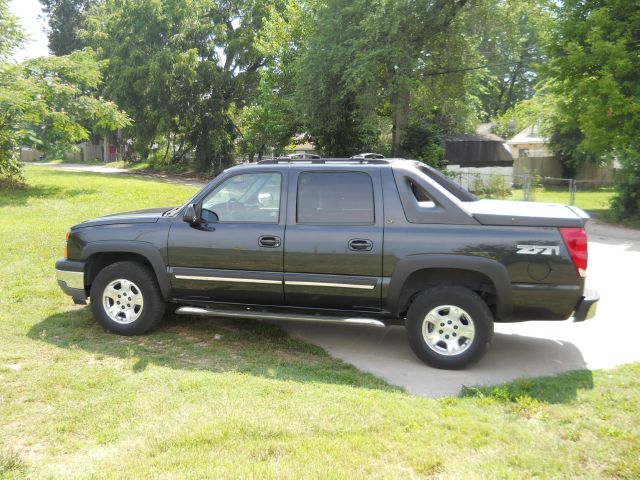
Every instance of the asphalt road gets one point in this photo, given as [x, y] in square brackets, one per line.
[529, 349]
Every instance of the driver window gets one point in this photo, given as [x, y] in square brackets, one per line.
[245, 198]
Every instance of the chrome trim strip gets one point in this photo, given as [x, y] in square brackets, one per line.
[336, 285]
[228, 279]
[258, 315]
[71, 279]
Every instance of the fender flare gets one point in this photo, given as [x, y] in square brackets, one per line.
[493, 269]
[145, 249]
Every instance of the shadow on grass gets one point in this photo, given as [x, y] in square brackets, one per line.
[141, 175]
[20, 197]
[194, 343]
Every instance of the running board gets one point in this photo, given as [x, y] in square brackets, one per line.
[257, 315]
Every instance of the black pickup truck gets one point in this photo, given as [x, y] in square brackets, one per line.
[364, 241]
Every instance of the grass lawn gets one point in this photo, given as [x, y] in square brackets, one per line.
[235, 399]
[595, 201]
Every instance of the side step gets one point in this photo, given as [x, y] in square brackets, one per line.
[257, 315]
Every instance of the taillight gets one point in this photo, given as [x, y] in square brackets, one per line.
[66, 242]
[576, 241]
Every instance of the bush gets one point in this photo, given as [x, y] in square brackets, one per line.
[424, 141]
[625, 205]
[10, 169]
[493, 186]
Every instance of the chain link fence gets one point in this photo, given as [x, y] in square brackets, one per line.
[586, 194]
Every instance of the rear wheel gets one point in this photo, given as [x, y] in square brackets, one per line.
[449, 327]
[126, 299]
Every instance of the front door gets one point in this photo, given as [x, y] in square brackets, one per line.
[333, 246]
[235, 254]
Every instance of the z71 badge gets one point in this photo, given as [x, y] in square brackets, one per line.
[538, 249]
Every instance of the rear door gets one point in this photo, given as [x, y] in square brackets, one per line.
[333, 240]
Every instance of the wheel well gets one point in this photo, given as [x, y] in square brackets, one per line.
[98, 261]
[421, 280]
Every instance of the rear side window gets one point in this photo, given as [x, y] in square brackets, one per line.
[335, 198]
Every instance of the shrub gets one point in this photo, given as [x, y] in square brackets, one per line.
[625, 205]
[494, 186]
[10, 168]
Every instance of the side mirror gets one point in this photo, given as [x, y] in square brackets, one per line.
[190, 214]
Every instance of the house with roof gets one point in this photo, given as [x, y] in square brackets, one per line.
[471, 156]
[532, 151]
[529, 143]
[476, 151]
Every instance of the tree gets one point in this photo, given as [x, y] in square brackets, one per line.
[49, 103]
[510, 36]
[11, 36]
[66, 20]
[593, 74]
[181, 69]
[358, 69]
[393, 76]
[276, 113]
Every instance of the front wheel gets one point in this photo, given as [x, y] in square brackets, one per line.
[126, 299]
[449, 327]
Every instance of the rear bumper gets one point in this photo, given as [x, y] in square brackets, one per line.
[586, 308]
[70, 276]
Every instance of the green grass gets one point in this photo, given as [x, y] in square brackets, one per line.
[595, 201]
[231, 399]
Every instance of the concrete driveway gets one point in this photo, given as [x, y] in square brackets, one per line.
[528, 349]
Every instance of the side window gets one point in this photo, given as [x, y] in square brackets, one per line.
[246, 198]
[420, 194]
[335, 198]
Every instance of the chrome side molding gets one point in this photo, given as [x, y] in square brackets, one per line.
[228, 279]
[258, 315]
[326, 284]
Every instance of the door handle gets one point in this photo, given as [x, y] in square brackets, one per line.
[360, 244]
[269, 241]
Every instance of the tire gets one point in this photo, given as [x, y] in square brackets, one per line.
[141, 304]
[449, 327]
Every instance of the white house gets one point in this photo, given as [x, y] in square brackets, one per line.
[529, 143]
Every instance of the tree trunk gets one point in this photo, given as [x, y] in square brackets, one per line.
[399, 116]
[512, 82]
[105, 149]
[166, 150]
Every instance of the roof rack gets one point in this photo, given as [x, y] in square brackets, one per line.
[367, 161]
